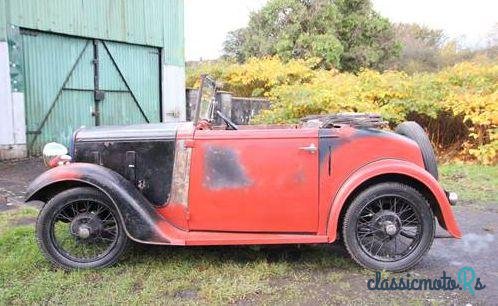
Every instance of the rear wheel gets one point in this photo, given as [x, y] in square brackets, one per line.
[389, 226]
[80, 228]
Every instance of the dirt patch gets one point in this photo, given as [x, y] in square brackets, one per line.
[24, 221]
[5, 206]
[186, 294]
[137, 287]
[16, 175]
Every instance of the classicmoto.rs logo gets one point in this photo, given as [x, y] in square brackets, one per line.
[466, 280]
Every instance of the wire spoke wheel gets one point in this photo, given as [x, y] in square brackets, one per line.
[84, 230]
[80, 228]
[388, 228]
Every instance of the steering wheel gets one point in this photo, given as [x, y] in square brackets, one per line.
[229, 123]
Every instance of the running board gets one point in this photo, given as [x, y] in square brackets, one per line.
[221, 238]
[170, 235]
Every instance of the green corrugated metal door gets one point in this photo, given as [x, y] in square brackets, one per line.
[129, 76]
[71, 82]
[59, 84]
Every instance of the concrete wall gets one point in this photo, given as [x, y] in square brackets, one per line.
[241, 110]
[244, 109]
[173, 90]
[12, 120]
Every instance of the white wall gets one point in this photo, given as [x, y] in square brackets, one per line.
[173, 90]
[6, 120]
[12, 117]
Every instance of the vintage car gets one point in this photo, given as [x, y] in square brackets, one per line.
[331, 178]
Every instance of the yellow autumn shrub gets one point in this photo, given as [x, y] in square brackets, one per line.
[256, 77]
[462, 97]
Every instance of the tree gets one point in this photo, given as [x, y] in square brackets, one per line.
[368, 38]
[421, 49]
[344, 34]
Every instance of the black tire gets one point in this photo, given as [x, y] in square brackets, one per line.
[416, 133]
[61, 205]
[361, 247]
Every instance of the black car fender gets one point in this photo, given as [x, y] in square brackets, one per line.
[141, 221]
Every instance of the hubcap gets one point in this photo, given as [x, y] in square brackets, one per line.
[388, 221]
[83, 232]
[86, 225]
[390, 228]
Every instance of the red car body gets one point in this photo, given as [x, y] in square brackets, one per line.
[198, 184]
[274, 185]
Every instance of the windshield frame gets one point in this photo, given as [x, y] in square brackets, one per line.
[205, 81]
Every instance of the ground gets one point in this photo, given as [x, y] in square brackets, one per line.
[245, 275]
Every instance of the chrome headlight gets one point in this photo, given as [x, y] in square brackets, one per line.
[55, 154]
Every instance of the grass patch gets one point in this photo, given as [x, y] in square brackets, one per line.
[473, 183]
[174, 275]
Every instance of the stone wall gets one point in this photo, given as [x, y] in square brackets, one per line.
[241, 110]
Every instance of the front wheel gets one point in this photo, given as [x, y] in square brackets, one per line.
[389, 226]
[80, 228]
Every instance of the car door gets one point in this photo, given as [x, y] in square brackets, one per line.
[254, 181]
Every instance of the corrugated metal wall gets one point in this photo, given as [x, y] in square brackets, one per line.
[174, 41]
[3, 21]
[129, 72]
[60, 75]
[156, 23]
[53, 72]
[52, 63]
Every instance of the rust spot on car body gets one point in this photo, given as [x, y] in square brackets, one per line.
[223, 169]
[181, 174]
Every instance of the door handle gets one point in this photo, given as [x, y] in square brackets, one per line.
[311, 148]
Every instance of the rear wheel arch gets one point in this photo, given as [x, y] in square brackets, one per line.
[394, 178]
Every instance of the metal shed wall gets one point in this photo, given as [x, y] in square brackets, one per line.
[156, 23]
[153, 23]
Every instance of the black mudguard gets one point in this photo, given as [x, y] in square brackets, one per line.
[142, 222]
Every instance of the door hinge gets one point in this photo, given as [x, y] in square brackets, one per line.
[99, 95]
[174, 114]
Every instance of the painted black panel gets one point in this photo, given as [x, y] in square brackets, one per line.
[329, 139]
[147, 164]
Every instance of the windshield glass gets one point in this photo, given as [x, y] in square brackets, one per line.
[206, 98]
